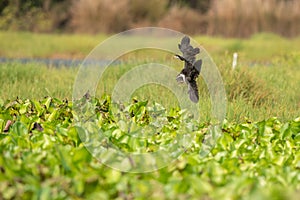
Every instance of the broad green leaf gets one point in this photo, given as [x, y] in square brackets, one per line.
[46, 102]
[247, 160]
[38, 107]
[19, 129]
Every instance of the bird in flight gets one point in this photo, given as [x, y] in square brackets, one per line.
[191, 69]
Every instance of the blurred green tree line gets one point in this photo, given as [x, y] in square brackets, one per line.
[230, 18]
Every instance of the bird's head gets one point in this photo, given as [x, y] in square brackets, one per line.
[179, 57]
[176, 56]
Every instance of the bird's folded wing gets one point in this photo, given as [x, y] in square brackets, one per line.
[193, 91]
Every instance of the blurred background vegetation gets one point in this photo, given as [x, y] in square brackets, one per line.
[229, 18]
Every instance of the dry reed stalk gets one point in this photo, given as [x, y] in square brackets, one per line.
[243, 17]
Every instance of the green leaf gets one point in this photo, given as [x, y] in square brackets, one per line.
[19, 129]
[38, 107]
[285, 131]
[54, 115]
[2, 124]
[64, 157]
[81, 155]
[46, 102]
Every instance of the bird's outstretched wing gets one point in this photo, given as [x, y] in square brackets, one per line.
[198, 65]
[189, 53]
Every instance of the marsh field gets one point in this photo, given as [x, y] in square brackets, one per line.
[257, 155]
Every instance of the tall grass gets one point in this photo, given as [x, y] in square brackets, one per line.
[260, 47]
[229, 18]
[264, 85]
[184, 19]
[242, 18]
[256, 93]
[91, 16]
[33, 45]
[35, 81]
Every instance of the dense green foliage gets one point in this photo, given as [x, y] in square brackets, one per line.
[43, 157]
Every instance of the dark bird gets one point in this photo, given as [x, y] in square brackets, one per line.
[191, 69]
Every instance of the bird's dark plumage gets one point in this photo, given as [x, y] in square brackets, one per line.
[191, 69]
